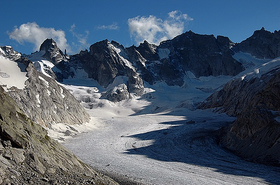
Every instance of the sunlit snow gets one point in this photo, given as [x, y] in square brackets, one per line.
[11, 74]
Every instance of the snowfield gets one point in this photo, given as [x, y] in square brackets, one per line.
[165, 148]
[161, 138]
[11, 74]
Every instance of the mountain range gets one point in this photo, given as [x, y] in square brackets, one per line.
[116, 73]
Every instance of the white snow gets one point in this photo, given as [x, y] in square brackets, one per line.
[158, 146]
[160, 137]
[11, 74]
[61, 92]
[45, 81]
[255, 67]
[42, 66]
[38, 100]
[122, 56]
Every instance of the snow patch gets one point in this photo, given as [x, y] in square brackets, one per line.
[11, 74]
[45, 81]
[61, 92]
[122, 56]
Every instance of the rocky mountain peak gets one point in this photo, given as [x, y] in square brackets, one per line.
[148, 51]
[52, 52]
[262, 44]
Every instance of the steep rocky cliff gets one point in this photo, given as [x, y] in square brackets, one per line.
[29, 156]
[45, 101]
[262, 44]
[203, 55]
[255, 101]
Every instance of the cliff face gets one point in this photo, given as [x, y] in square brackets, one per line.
[28, 155]
[46, 102]
[203, 55]
[255, 134]
[262, 44]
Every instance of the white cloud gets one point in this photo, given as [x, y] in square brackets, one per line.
[155, 30]
[113, 26]
[33, 33]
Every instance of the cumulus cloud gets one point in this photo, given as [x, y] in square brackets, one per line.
[155, 30]
[33, 33]
[113, 26]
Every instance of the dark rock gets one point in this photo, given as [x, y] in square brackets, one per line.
[203, 55]
[52, 52]
[255, 133]
[262, 44]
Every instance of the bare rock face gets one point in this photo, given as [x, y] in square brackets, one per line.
[203, 55]
[105, 61]
[262, 44]
[117, 93]
[255, 133]
[29, 156]
[52, 52]
[9, 52]
[46, 102]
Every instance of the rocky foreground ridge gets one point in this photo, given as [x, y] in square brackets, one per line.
[29, 156]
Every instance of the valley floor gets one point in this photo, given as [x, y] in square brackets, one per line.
[165, 148]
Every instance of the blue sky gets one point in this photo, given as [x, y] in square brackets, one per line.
[76, 25]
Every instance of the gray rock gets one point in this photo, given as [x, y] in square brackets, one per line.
[52, 52]
[44, 101]
[117, 93]
[255, 133]
[35, 158]
[10, 53]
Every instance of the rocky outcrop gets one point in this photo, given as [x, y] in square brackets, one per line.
[46, 102]
[117, 93]
[9, 53]
[52, 52]
[105, 61]
[29, 156]
[262, 44]
[255, 134]
[203, 55]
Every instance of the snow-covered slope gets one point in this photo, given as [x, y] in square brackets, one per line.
[12, 74]
[161, 137]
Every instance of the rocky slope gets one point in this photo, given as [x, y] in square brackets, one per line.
[203, 55]
[255, 134]
[45, 101]
[254, 99]
[262, 44]
[29, 156]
